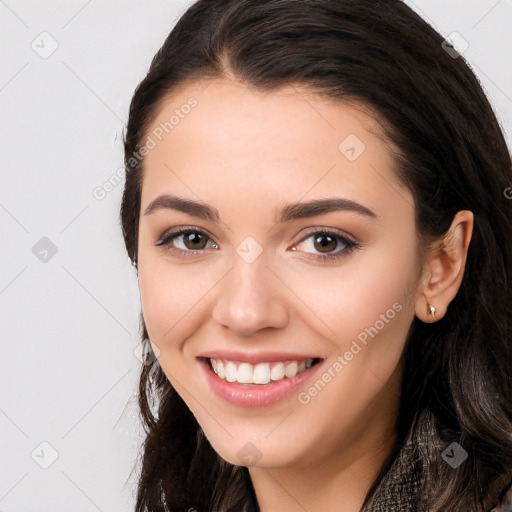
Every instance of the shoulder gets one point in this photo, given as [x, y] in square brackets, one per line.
[504, 503]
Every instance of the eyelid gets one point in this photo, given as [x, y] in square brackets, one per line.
[323, 229]
[179, 230]
[350, 245]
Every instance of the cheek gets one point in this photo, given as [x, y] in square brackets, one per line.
[372, 290]
[176, 300]
[168, 295]
[170, 305]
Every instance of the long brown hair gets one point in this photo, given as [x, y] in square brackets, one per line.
[448, 148]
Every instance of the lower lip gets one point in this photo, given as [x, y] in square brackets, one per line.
[257, 395]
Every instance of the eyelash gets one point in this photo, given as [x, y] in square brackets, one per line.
[350, 245]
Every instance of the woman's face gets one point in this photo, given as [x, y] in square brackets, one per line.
[301, 246]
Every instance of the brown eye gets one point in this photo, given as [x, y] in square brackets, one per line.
[194, 240]
[325, 243]
[185, 242]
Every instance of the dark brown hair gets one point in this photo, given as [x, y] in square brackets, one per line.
[448, 148]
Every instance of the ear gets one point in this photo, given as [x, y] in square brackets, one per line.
[444, 268]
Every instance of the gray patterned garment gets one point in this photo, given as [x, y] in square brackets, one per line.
[402, 493]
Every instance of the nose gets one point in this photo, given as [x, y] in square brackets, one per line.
[250, 299]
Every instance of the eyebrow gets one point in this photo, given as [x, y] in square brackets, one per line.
[289, 212]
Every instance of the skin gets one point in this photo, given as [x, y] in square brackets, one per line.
[238, 151]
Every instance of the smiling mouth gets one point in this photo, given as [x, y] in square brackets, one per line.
[258, 374]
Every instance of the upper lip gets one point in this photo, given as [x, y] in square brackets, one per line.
[259, 357]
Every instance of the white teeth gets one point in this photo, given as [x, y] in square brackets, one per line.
[244, 375]
[220, 370]
[277, 373]
[262, 373]
[291, 369]
[231, 372]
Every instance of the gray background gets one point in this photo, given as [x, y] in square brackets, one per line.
[69, 319]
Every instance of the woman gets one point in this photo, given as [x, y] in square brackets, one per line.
[316, 206]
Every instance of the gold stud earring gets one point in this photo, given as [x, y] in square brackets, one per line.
[432, 310]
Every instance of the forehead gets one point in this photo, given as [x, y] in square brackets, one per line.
[222, 140]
